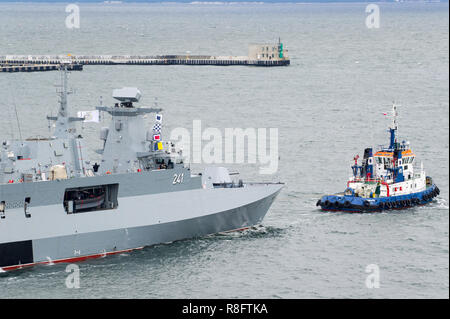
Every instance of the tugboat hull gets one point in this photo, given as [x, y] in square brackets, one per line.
[359, 205]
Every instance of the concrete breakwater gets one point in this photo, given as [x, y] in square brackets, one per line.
[11, 67]
[258, 55]
[47, 63]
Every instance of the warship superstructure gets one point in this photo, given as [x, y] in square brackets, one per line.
[385, 180]
[58, 206]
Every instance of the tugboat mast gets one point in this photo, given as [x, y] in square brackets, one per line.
[393, 128]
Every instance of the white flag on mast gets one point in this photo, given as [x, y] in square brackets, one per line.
[90, 116]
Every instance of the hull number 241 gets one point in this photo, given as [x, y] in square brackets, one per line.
[178, 178]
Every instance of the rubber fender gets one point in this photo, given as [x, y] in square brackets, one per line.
[347, 204]
[318, 202]
[366, 203]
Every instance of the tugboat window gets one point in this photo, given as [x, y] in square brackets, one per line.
[91, 198]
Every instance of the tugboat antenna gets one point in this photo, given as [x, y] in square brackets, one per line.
[393, 129]
[394, 116]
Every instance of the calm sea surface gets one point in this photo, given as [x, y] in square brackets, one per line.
[328, 106]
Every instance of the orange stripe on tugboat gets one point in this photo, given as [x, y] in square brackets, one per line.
[390, 154]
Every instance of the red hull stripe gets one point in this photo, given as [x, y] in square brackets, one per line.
[83, 258]
[70, 260]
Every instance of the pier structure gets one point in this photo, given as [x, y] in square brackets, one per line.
[36, 67]
[259, 55]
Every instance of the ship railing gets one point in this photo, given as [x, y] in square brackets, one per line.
[371, 181]
[364, 180]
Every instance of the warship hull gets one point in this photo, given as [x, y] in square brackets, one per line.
[58, 206]
[51, 235]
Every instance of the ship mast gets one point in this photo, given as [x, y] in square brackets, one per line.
[63, 112]
[64, 123]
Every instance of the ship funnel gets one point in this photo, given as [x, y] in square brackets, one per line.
[368, 163]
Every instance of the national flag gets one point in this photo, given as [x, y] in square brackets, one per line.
[158, 118]
[156, 137]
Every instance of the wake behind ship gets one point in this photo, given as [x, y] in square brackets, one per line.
[57, 206]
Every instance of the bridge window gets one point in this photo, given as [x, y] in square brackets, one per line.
[161, 163]
[91, 198]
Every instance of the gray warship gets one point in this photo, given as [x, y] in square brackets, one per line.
[57, 206]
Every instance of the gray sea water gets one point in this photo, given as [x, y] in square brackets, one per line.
[328, 106]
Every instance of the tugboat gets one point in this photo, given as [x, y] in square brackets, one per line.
[384, 180]
[57, 206]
